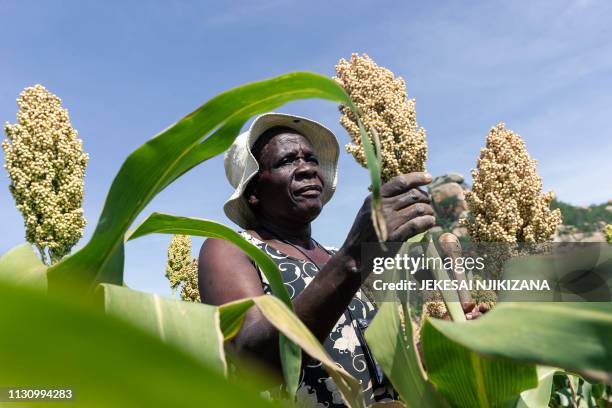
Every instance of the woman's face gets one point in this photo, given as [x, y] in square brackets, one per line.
[290, 185]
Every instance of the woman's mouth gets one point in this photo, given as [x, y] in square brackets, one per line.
[310, 191]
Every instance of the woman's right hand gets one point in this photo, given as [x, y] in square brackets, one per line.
[406, 209]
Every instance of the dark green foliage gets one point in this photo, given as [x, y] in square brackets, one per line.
[584, 219]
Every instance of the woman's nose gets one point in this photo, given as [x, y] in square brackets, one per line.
[306, 168]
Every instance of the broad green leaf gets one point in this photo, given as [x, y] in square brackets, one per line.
[56, 342]
[154, 165]
[231, 317]
[574, 336]
[395, 351]
[467, 379]
[21, 266]
[191, 327]
[168, 224]
[286, 322]
[538, 397]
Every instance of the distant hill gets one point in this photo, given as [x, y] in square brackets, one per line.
[585, 219]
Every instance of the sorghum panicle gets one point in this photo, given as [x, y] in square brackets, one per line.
[506, 202]
[182, 269]
[384, 106]
[189, 290]
[179, 259]
[46, 166]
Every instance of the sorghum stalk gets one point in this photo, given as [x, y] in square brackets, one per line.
[46, 166]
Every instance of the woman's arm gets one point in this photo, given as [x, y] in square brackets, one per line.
[226, 273]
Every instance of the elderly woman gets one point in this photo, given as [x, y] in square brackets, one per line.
[284, 171]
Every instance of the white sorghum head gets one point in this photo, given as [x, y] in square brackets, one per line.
[46, 166]
[506, 202]
[383, 105]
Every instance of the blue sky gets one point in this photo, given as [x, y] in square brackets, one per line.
[127, 70]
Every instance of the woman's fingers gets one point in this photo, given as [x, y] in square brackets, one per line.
[404, 182]
[412, 227]
[408, 198]
[415, 210]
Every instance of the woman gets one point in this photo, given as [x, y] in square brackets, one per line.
[284, 171]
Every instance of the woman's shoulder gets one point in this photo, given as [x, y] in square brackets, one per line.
[214, 248]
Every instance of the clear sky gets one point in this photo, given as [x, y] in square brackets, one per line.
[126, 70]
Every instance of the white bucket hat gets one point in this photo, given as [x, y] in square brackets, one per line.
[241, 166]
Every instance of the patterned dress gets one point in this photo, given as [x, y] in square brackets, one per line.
[345, 344]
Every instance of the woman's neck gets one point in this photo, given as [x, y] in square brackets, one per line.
[295, 234]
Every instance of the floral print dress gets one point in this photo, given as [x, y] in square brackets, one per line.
[345, 344]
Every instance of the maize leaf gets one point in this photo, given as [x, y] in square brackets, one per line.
[468, 380]
[154, 165]
[132, 368]
[291, 326]
[168, 224]
[539, 396]
[574, 336]
[21, 266]
[190, 327]
[395, 351]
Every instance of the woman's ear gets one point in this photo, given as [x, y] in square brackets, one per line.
[252, 200]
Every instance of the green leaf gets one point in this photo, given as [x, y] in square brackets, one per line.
[169, 224]
[57, 342]
[575, 336]
[191, 327]
[21, 266]
[232, 316]
[286, 322]
[374, 163]
[397, 355]
[469, 380]
[538, 397]
[154, 165]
